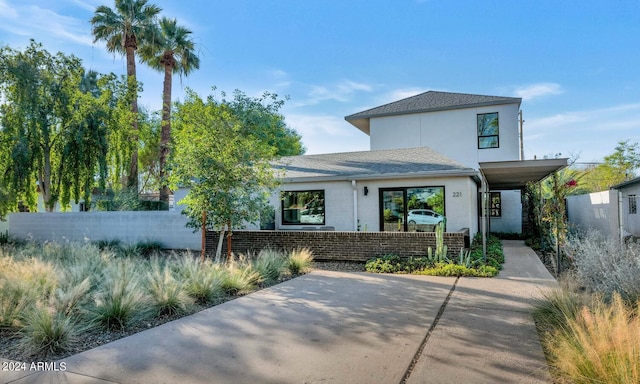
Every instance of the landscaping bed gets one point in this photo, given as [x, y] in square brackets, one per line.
[437, 263]
[57, 300]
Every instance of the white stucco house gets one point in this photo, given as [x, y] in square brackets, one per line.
[432, 158]
[628, 193]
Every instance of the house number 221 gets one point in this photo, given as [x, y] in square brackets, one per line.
[457, 194]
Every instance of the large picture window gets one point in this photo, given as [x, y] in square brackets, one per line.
[303, 207]
[488, 130]
[414, 209]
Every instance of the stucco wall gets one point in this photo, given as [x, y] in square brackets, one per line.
[460, 202]
[454, 133]
[511, 219]
[130, 227]
[598, 210]
[631, 221]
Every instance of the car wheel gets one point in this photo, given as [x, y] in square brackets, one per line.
[412, 221]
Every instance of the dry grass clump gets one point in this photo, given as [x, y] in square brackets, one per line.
[590, 327]
[54, 297]
[601, 344]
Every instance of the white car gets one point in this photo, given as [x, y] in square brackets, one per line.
[424, 216]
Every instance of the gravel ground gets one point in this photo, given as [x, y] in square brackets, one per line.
[343, 266]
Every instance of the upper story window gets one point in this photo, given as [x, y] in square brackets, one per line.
[488, 130]
[303, 207]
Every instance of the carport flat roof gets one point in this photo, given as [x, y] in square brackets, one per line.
[507, 175]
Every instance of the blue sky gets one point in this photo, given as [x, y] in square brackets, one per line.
[576, 64]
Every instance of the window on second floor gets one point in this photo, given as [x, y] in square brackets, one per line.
[488, 130]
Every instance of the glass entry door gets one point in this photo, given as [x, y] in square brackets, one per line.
[393, 210]
[412, 209]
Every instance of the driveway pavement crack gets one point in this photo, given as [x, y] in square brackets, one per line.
[418, 353]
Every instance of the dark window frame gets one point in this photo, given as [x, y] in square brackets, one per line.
[404, 198]
[633, 204]
[282, 210]
[495, 211]
[484, 136]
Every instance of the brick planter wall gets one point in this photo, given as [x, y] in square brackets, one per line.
[343, 246]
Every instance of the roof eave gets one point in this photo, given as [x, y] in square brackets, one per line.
[407, 175]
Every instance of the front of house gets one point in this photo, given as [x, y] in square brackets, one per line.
[431, 157]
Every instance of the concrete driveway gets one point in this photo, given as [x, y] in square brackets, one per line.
[334, 327]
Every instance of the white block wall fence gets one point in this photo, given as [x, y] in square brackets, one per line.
[129, 227]
[598, 210]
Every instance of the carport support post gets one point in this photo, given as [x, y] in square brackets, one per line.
[483, 203]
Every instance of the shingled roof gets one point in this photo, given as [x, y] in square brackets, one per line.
[430, 101]
[389, 163]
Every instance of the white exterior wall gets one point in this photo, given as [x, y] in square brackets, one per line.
[598, 210]
[454, 133]
[511, 219]
[129, 227]
[338, 204]
[630, 221]
[460, 207]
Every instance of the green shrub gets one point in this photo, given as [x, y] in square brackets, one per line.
[239, 280]
[149, 248]
[300, 261]
[202, 280]
[46, 331]
[120, 299]
[448, 269]
[385, 264]
[112, 244]
[168, 296]
[270, 265]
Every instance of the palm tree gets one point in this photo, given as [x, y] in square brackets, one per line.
[132, 22]
[173, 52]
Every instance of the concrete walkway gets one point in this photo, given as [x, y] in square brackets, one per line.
[334, 327]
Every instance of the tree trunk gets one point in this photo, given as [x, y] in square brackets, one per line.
[165, 137]
[45, 181]
[131, 46]
[229, 241]
[219, 249]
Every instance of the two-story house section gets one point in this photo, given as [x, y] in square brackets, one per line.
[437, 157]
[467, 128]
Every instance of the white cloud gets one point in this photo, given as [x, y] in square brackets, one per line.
[33, 20]
[533, 91]
[342, 91]
[593, 133]
[327, 134]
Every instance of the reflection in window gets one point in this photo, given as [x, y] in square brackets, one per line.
[414, 209]
[633, 206]
[495, 204]
[488, 130]
[303, 207]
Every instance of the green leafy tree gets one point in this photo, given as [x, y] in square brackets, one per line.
[618, 167]
[130, 24]
[172, 51]
[52, 130]
[228, 173]
[260, 118]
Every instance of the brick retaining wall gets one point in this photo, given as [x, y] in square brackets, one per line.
[343, 246]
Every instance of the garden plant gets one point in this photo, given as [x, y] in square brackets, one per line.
[590, 326]
[60, 299]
